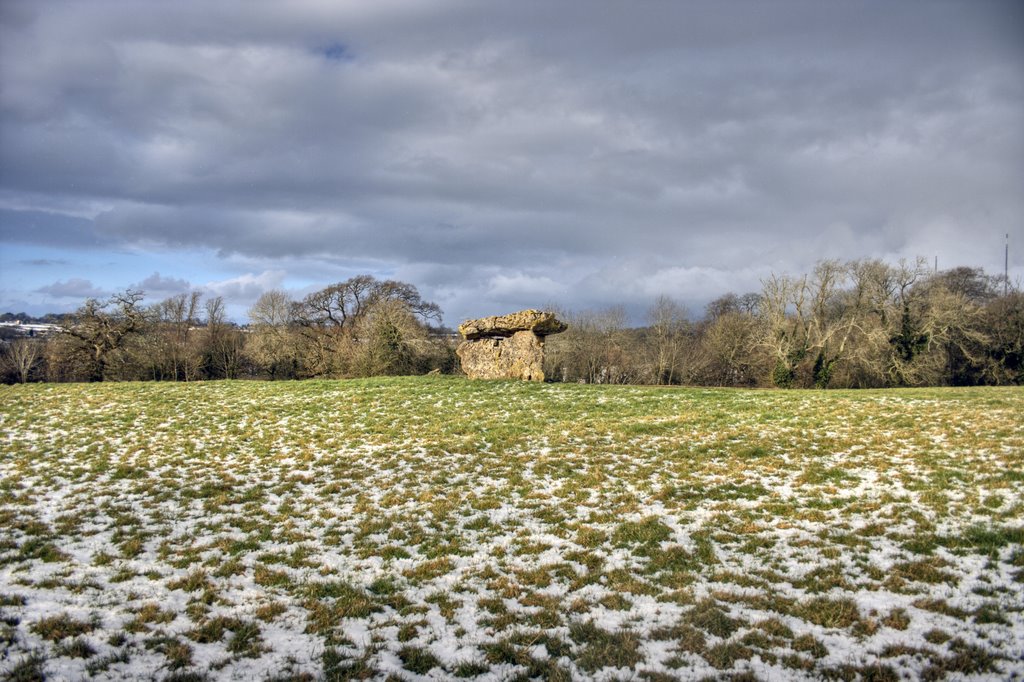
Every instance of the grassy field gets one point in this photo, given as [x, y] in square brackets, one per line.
[437, 528]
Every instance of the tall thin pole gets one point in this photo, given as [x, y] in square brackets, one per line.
[1006, 266]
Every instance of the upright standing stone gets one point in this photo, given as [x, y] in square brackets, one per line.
[507, 346]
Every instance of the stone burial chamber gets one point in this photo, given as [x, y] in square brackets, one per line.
[507, 346]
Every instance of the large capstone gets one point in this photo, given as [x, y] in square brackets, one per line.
[536, 321]
[507, 346]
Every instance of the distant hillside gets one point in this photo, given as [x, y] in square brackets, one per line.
[25, 318]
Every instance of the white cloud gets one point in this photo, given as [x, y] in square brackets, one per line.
[247, 287]
[522, 286]
[157, 286]
[75, 287]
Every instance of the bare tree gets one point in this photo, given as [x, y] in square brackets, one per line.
[872, 324]
[271, 343]
[971, 283]
[21, 356]
[342, 305]
[596, 349]
[175, 318]
[65, 358]
[332, 321]
[784, 334]
[666, 339]
[808, 325]
[104, 329]
[1004, 322]
[392, 342]
[908, 337]
[957, 336]
[272, 309]
[867, 305]
[408, 298]
[222, 342]
[728, 351]
[833, 323]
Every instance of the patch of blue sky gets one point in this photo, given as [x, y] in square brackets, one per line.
[28, 268]
[335, 52]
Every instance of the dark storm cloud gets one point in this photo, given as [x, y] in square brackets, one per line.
[593, 151]
[48, 229]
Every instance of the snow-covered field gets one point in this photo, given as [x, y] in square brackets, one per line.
[435, 528]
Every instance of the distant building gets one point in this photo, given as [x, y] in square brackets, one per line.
[18, 329]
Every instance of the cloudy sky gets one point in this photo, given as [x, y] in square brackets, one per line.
[500, 155]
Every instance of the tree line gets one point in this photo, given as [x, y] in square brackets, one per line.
[862, 323]
[854, 324]
[360, 327]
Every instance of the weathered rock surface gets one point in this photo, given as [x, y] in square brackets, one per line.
[536, 321]
[520, 356]
[507, 346]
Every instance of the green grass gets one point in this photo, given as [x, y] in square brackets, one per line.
[348, 529]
